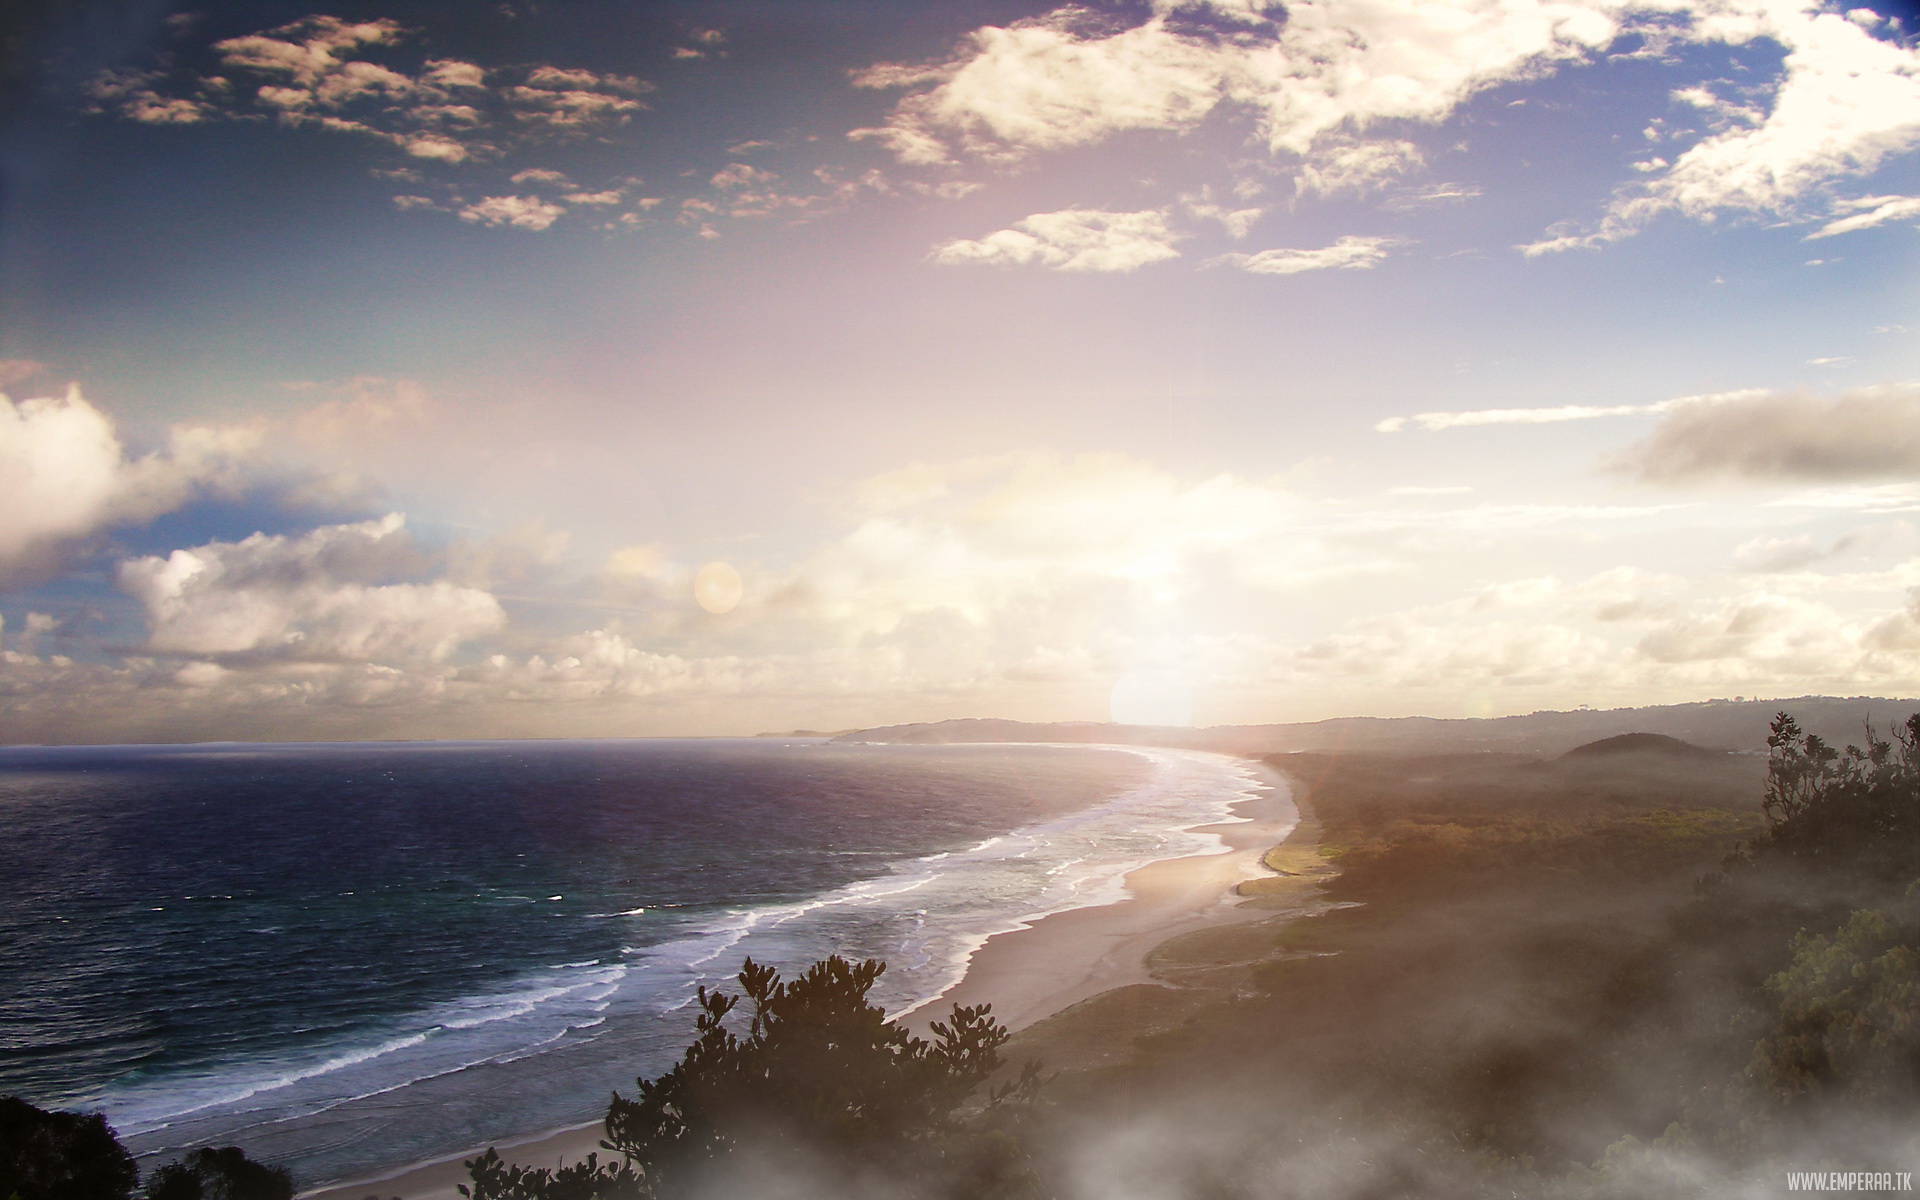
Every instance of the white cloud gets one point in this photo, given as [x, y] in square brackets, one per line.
[1848, 102]
[65, 474]
[1238, 222]
[1867, 498]
[309, 597]
[1765, 633]
[1075, 239]
[1349, 253]
[1331, 70]
[1562, 412]
[1765, 554]
[1518, 416]
[1867, 212]
[1356, 166]
[1048, 83]
[519, 212]
[1317, 82]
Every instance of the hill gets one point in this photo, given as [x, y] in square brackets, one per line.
[1652, 745]
[1738, 725]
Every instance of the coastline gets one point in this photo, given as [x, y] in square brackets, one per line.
[1049, 965]
[1027, 974]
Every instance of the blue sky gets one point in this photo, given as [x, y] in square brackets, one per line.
[430, 370]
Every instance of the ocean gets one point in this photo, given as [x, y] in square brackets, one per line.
[348, 957]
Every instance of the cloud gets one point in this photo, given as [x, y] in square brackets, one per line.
[1558, 413]
[1074, 239]
[316, 74]
[518, 212]
[1765, 555]
[1767, 634]
[1356, 166]
[1411, 652]
[1312, 82]
[1848, 101]
[1238, 222]
[64, 474]
[1868, 211]
[574, 102]
[1047, 83]
[1869, 433]
[1349, 253]
[310, 597]
[1518, 416]
[1317, 81]
[1769, 555]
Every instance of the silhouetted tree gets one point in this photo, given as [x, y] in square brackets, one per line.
[586, 1180]
[1852, 808]
[821, 1081]
[223, 1174]
[60, 1155]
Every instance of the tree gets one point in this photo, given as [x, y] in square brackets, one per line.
[60, 1156]
[1852, 808]
[223, 1174]
[821, 1081]
[1848, 1022]
[587, 1180]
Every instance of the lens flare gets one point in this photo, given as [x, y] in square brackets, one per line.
[717, 587]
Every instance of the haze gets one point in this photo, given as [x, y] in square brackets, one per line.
[425, 369]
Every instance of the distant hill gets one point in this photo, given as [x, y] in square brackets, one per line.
[1739, 725]
[1650, 745]
[809, 733]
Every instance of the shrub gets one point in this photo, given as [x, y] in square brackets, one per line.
[60, 1155]
[822, 1082]
[223, 1174]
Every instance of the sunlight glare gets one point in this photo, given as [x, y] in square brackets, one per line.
[717, 587]
[1146, 696]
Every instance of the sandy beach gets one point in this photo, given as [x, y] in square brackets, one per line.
[1027, 974]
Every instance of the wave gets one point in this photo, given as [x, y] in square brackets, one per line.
[925, 915]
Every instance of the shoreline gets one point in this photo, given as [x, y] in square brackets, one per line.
[1029, 973]
[1056, 961]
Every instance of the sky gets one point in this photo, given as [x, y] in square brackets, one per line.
[613, 369]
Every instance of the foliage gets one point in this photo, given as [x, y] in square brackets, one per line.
[223, 1174]
[1849, 1022]
[60, 1155]
[821, 1079]
[1848, 808]
[586, 1180]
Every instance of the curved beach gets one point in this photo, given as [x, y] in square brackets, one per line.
[1027, 974]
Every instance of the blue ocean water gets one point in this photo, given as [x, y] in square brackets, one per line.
[345, 958]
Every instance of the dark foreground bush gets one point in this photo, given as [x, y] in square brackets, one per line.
[223, 1174]
[1855, 810]
[75, 1156]
[60, 1155]
[821, 1082]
